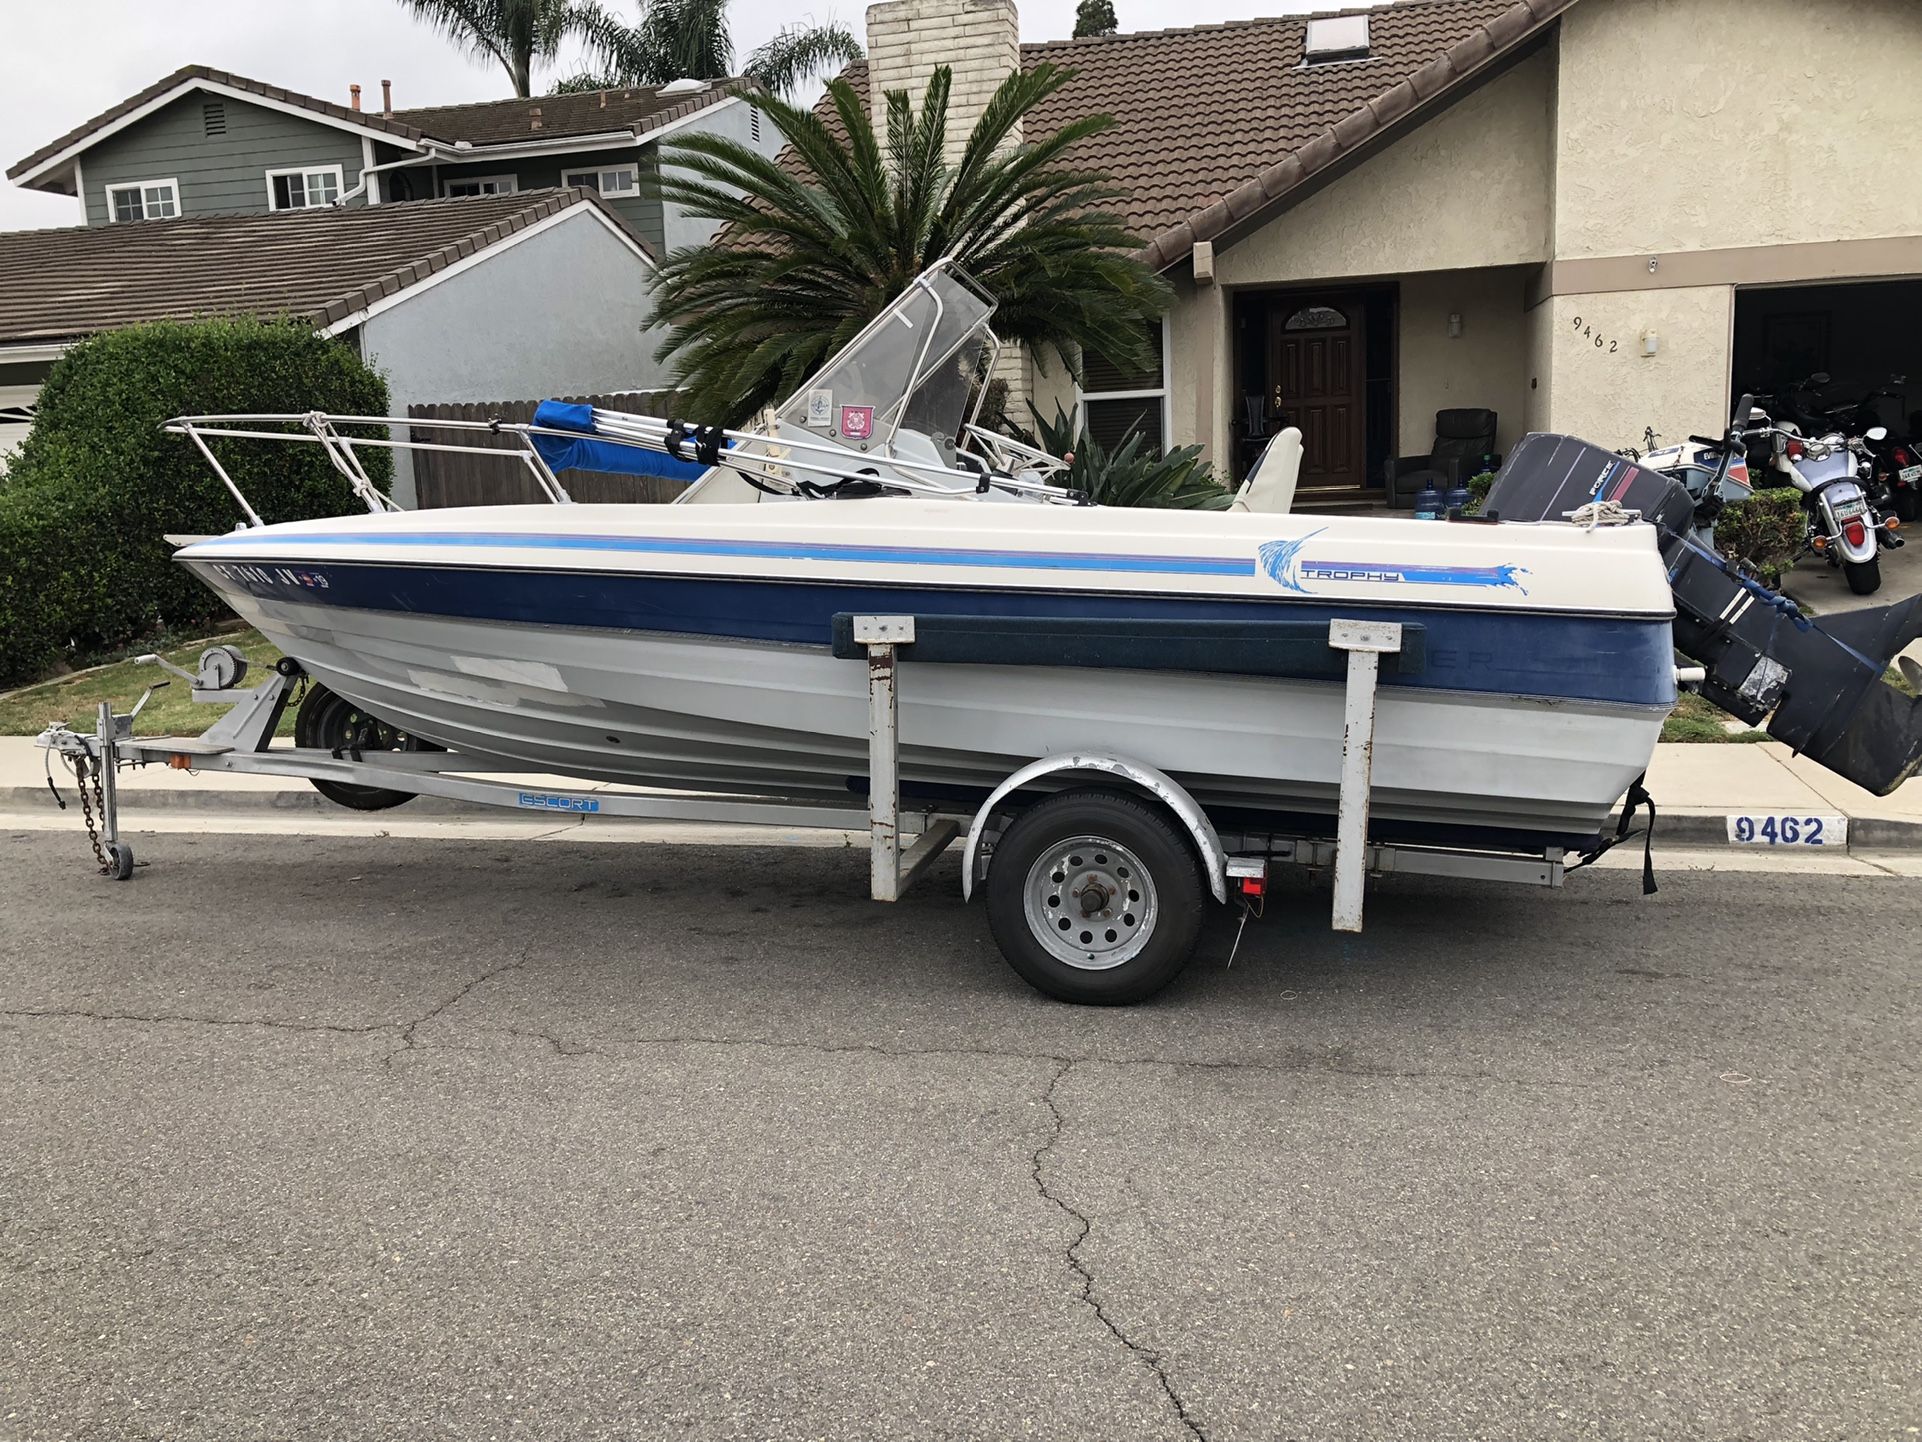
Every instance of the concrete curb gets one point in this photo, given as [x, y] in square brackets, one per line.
[1698, 828]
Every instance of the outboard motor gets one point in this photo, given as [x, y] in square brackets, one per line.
[1818, 684]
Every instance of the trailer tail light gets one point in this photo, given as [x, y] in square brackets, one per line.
[1856, 532]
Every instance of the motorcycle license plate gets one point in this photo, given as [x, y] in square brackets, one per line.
[1849, 510]
[1788, 829]
[1910, 475]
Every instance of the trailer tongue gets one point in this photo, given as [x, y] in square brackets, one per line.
[1817, 685]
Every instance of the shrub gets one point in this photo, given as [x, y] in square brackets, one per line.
[1763, 534]
[87, 503]
[1131, 475]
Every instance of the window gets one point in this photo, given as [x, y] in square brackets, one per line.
[305, 188]
[1338, 37]
[1316, 317]
[481, 185]
[16, 419]
[1117, 400]
[608, 180]
[144, 200]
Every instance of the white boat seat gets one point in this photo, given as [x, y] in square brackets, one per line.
[1270, 486]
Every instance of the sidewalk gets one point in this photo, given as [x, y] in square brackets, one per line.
[1696, 788]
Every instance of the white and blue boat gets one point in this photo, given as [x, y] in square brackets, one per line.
[695, 645]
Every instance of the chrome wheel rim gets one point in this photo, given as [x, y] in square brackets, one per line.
[1090, 903]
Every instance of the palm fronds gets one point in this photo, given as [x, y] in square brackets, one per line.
[817, 246]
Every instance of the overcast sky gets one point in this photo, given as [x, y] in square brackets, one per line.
[62, 63]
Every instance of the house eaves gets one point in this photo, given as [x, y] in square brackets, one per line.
[1370, 126]
[56, 158]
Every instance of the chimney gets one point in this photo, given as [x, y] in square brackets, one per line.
[980, 40]
[387, 99]
[353, 92]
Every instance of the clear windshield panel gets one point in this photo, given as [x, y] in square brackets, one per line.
[913, 369]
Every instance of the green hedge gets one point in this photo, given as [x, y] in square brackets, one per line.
[88, 500]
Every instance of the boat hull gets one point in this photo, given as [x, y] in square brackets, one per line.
[710, 713]
[693, 647]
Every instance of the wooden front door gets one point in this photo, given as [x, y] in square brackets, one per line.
[1316, 381]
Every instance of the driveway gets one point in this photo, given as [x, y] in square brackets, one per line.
[365, 1138]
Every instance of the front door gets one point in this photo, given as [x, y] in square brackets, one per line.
[1316, 372]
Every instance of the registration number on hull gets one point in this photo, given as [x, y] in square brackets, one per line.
[1788, 829]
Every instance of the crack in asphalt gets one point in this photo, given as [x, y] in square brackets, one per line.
[407, 1029]
[1142, 1353]
[566, 1048]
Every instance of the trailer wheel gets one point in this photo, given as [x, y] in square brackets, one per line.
[1095, 898]
[330, 722]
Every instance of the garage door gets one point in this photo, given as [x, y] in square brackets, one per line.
[1866, 336]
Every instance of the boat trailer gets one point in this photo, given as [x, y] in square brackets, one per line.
[903, 840]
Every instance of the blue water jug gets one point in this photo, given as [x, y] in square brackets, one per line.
[1428, 503]
[1455, 500]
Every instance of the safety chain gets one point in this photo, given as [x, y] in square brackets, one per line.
[85, 770]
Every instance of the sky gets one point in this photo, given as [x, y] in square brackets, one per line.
[61, 64]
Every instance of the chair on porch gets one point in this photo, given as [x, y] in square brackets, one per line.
[1464, 447]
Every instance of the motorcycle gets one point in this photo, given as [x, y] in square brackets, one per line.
[1697, 464]
[1831, 471]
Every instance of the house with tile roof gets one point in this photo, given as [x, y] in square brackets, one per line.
[1595, 216]
[202, 141]
[469, 298]
[269, 200]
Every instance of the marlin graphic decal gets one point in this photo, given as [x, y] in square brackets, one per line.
[1282, 562]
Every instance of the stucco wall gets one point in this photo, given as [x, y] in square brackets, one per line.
[1486, 366]
[741, 121]
[1608, 393]
[563, 312]
[1470, 188]
[1699, 124]
[1198, 409]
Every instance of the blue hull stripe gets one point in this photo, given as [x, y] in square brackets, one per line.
[780, 551]
[1589, 658]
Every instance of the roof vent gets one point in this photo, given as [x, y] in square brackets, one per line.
[213, 117]
[682, 87]
[1338, 37]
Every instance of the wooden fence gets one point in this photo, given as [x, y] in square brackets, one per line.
[445, 479]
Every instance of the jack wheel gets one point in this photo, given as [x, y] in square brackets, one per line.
[119, 860]
[330, 722]
[1095, 898]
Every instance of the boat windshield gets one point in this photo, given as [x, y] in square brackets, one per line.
[912, 370]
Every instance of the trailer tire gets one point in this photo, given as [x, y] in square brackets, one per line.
[1864, 577]
[1095, 898]
[328, 721]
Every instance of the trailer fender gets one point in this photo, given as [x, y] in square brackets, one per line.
[1138, 774]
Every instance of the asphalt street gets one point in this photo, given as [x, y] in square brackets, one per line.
[383, 1138]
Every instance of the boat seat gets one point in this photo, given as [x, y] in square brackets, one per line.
[1270, 486]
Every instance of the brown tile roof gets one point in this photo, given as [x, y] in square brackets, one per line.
[189, 73]
[1218, 122]
[553, 117]
[324, 264]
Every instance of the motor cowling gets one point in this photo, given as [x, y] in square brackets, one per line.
[1818, 685]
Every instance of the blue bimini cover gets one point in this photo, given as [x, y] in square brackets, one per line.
[586, 453]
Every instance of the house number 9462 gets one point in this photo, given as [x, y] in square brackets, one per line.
[1602, 342]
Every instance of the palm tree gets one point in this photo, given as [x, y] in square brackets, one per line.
[816, 247]
[519, 32]
[690, 39]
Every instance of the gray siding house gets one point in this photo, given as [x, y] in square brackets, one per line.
[205, 141]
[474, 298]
